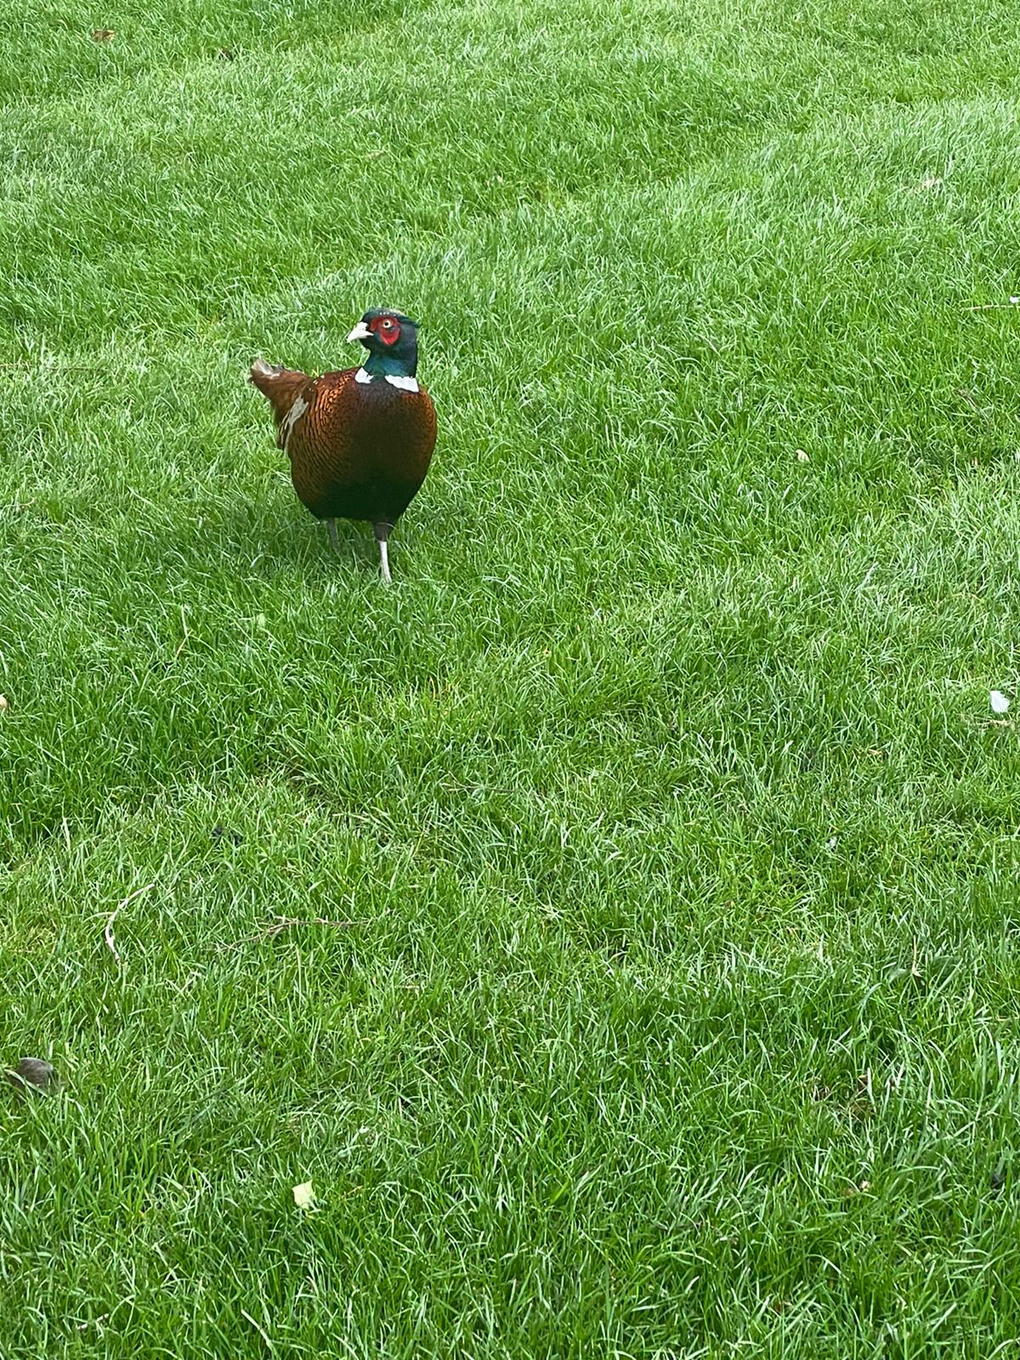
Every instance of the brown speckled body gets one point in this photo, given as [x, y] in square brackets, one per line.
[357, 450]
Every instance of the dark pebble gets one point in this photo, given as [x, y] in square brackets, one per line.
[34, 1072]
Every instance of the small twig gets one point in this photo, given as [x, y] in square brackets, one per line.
[285, 923]
[108, 928]
[261, 1331]
[282, 923]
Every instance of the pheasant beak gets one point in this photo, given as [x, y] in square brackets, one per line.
[360, 332]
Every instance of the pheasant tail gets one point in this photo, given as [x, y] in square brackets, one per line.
[280, 385]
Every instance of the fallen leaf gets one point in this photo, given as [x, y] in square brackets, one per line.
[802, 457]
[35, 1072]
[304, 1195]
[4, 703]
[103, 34]
[1000, 704]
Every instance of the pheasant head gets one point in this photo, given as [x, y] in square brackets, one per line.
[392, 343]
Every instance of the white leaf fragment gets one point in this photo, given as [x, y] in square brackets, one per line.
[304, 1195]
[1000, 704]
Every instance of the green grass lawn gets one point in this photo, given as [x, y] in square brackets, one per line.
[674, 1008]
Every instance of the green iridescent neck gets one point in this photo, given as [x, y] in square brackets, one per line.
[390, 366]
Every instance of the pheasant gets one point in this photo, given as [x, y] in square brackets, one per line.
[359, 441]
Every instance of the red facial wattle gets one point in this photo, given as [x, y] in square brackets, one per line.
[385, 329]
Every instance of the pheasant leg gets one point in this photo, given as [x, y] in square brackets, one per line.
[382, 533]
[334, 537]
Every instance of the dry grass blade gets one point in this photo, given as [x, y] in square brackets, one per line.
[993, 306]
[108, 928]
